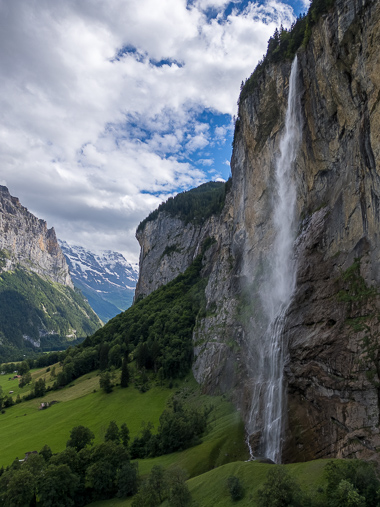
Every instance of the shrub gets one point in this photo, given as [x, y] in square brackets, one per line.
[235, 488]
[280, 490]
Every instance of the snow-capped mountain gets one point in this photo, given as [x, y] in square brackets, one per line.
[107, 279]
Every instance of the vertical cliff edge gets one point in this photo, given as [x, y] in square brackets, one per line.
[39, 310]
[331, 330]
[26, 241]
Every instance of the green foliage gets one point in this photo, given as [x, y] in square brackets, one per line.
[347, 496]
[124, 379]
[159, 328]
[284, 44]
[80, 437]
[127, 479]
[280, 490]
[25, 379]
[69, 478]
[157, 481]
[351, 482]
[30, 305]
[195, 205]
[235, 488]
[161, 484]
[17, 488]
[179, 429]
[169, 250]
[124, 435]
[356, 289]
[179, 494]
[112, 433]
[23, 368]
[58, 486]
[39, 388]
[105, 382]
[46, 453]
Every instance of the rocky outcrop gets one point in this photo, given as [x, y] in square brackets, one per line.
[167, 247]
[26, 241]
[332, 325]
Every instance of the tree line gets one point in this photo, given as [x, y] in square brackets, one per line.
[283, 44]
[84, 472]
[195, 205]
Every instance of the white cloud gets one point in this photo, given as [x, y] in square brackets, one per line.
[88, 138]
[206, 161]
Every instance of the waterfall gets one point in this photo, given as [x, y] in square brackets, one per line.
[276, 292]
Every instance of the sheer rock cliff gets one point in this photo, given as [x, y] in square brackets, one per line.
[28, 242]
[332, 326]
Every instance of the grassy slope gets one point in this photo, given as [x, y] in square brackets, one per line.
[25, 428]
[30, 305]
[210, 488]
[222, 453]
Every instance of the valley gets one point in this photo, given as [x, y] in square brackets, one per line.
[246, 371]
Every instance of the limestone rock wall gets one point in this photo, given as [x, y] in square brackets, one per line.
[332, 327]
[25, 240]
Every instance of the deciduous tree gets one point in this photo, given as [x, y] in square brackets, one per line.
[80, 437]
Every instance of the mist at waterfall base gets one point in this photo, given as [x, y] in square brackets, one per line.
[266, 345]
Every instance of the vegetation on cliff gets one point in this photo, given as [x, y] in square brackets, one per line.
[155, 333]
[196, 205]
[284, 43]
[40, 315]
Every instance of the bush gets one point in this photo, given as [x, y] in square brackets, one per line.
[280, 490]
[80, 437]
[235, 488]
[351, 478]
[179, 429]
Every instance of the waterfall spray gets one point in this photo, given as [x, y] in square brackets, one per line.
[276, 293]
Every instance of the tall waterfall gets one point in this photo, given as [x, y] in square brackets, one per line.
[276, 292]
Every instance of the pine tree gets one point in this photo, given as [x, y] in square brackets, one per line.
[124, 435]
[124, 381]
[103, 356]
[112, 433]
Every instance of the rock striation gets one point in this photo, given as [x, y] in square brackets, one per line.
[331, 332]
[26, 241]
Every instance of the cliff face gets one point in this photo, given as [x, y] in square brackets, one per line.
[332, 324]
[38, 306]
[29, 243]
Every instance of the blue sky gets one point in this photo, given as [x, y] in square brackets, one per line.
[108, 107]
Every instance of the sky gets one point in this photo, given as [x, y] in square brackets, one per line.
[109, 107]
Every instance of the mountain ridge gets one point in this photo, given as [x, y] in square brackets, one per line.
[106, 279]
[39, 309]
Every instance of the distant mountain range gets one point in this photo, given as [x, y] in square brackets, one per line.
[107, 280]
[39, 308]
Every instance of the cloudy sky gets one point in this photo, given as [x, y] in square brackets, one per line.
[108, 107]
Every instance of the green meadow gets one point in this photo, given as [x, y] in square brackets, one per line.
[24, 427]
[222, 453]
[210, 489]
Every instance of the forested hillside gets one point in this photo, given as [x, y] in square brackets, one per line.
[195, 205]
[39, 315]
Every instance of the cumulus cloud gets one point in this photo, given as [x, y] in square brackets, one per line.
[100, 103]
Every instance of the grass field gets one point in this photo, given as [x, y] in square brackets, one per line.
[222, 453]
[23, 427]
[8, 383]
[210, 489]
